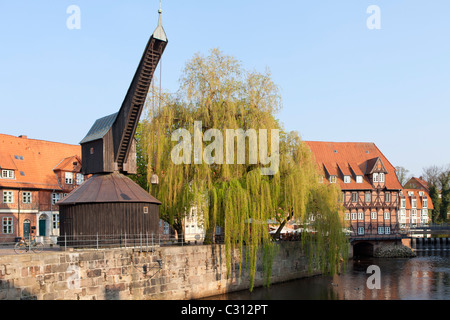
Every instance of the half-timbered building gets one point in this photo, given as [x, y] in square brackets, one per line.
[370, 188]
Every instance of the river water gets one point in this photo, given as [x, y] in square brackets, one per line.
[425, 277]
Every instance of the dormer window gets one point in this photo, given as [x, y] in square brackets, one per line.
[8, 174]
[375, 177]
[414, 203]
[425, 203]
[69, 178]
[359, 179]
[381, 177]
[421, 193]
[347, 179]
[332, 179]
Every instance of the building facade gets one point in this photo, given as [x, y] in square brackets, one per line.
[415, 208]
[35, 175]
[369, 185]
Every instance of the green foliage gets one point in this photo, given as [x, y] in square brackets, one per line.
[218, 92]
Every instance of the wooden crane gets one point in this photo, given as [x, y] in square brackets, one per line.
[109, 145]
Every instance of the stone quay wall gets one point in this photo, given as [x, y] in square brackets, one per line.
[188, 272]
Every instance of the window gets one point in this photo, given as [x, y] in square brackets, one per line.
[7, 225]
[414, 203]
[425, 213]
[403, 203]
[368, 197]
[80, 178]
[332, 179]
[347, 179]
[347, 216]
[425, 203]
[8, 174]
[380, 230]
[387, 197]
[387, 215]
[165, 228]
[359, 179]
[387, 230]
[360, 230]
[354, 196]
[414, 213]
[8, 197]
[69, 177]
[353, 215]
[55, 197]
[27, 197]
[375, 177]
[373, 215]
[55, 221]
[360, 216]
[381, 177]
[421, 193]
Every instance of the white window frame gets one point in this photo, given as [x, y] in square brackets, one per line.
[375, 177]
[359, 179]
[7, 225]
[367, 195]
[387, 230]
[354, 215]
[387, 197]
[347, 179]
[387, 215]
[414, 213]
[380, 230]
[27, 197]
[413, 203]
[425, 203]
[373, 215]
[361, 216]
[403, 203]
[361, 230]
[347, 216]
[68, 176]
[55, 198]
[8, 174]
[354, 197]
[381, 177]
[8, 197]
[79, 178]
[333, 179]
[55, 221]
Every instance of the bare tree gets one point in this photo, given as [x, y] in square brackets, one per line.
[402, 175]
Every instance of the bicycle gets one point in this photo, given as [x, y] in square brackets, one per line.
[24, 246]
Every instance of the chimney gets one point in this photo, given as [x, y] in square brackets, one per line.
[23, 136]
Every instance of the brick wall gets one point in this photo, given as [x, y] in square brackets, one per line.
[188, 272]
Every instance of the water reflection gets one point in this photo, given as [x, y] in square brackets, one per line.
[426, 277]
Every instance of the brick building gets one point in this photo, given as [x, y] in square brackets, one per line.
[35, 175]
[415, 208]
[370, 188]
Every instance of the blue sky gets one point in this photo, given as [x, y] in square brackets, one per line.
[340, 81]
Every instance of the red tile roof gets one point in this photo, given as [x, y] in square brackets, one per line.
[416, 195]
[359, 157]
[34, 161]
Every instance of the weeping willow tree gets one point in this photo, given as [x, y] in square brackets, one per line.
[219, 94]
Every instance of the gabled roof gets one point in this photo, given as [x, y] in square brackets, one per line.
[72, 164]
[417, 183]
[100, 128]
[361, 157]
[375, 165]
[34, 163]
